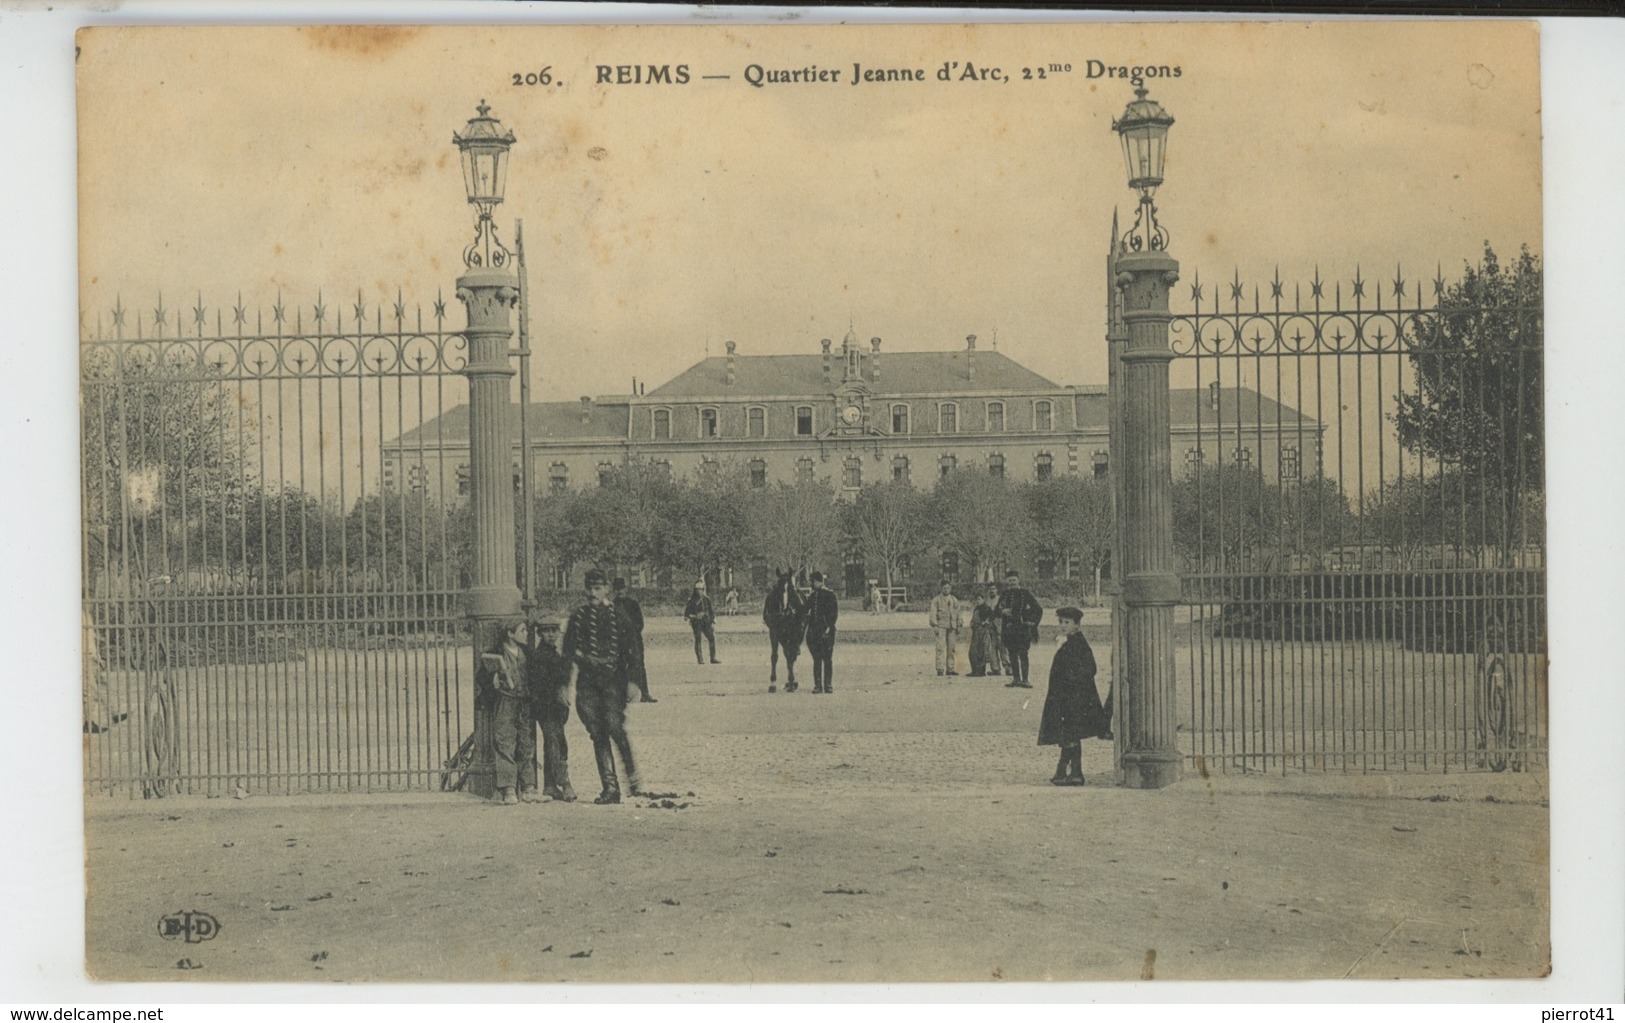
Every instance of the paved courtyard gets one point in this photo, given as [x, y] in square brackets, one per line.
[901, 829]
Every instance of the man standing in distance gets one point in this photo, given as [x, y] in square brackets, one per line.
[636, 669]
[1019, 614]
[822, 610]
[595, 641]
[699, 614]
[945, 624]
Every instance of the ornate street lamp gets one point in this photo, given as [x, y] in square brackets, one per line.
[1143, 129]
[484, 149]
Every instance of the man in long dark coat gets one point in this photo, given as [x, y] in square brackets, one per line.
[700, 616]
[822, 610]
[1072, 708]
[1019, 614]
[595, 641]
[636, 668]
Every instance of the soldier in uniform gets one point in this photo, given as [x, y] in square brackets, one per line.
[596, 642]
[548, 675]
[1019, 614]
[822, 610]
[637, 669]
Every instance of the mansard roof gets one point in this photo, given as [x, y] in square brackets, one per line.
[900, 373]
[549, 421]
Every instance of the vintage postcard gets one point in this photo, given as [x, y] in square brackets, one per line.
[813, 503]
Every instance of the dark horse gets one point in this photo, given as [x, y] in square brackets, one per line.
[785, 613]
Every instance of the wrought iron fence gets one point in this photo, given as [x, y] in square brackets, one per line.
[1359, 510]
[271, 605]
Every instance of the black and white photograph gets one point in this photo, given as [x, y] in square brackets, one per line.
[781, 504]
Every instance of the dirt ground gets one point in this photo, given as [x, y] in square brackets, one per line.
[901, 829]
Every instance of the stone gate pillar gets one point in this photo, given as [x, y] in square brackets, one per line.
[1150, 581]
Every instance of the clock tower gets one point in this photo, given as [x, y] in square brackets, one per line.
[852, 398]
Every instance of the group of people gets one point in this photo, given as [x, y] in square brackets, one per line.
[527, 679]
[1004, 626]
[526, 682]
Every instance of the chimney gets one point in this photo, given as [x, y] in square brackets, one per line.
[826, 343]
[874, 360]
[731, 376]
[970, 356]
[586, 408]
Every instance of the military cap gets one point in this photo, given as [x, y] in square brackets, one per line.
[1069, 614]
[595, 578]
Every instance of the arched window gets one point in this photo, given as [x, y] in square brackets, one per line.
[995, 466]
[1043, 415]
[804, 470]
[947, 417]
[899, 469]
[662, 424]
[804, 421]
[899, 419]
[1044, 466]
[710, 422]
[710, 469]
[1290, 468]
[756, 421]
[758, 473]
[558, 478]
[995, 417]
[946, 464]
[606, 472]
[1102, 464]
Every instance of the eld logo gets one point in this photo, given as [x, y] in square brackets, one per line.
[190, 925]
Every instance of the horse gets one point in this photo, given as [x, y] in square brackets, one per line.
[785, 613]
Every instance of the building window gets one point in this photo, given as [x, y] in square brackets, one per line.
[804, 470]
[1046, 568]
[950, 566]
[756, 421]
[662, 424]
[1193, 459]
[1043, 416]
[758, 473]
[389, 475]
[418, 478]
[899, 419]
[947, 418]
[708, 422]
[899, 469]
[852, 473]
[1102, 464]
[465, 481]
[804, 420]
[1213, 396]
[1290, 467]
[1244, 457]
[561, 576]
[945, 464]
[558, 478]
[606, 472]
[1044, 466]
[995, 466]
[710, 470]
[995, 417]
[663, 467]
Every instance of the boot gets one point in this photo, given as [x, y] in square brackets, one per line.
[1060, 768]
[606, 774]
[1074, 774]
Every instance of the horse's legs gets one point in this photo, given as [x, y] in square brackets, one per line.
[773, 669]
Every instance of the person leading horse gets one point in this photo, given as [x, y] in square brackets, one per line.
[785, 614]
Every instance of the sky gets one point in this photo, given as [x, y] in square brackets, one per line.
[663, 220]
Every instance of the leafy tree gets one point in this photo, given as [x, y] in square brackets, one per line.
[792, 525]
[1072, 518]
[164, 448]
[621, 522]
[888, 525]
[396, 540]
[1477, 404]
[1230, 517]
[707, 528]
[1448, 512]
[983, 518]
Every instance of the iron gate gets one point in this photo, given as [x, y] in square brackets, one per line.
[1358, 508]
[272, 567]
